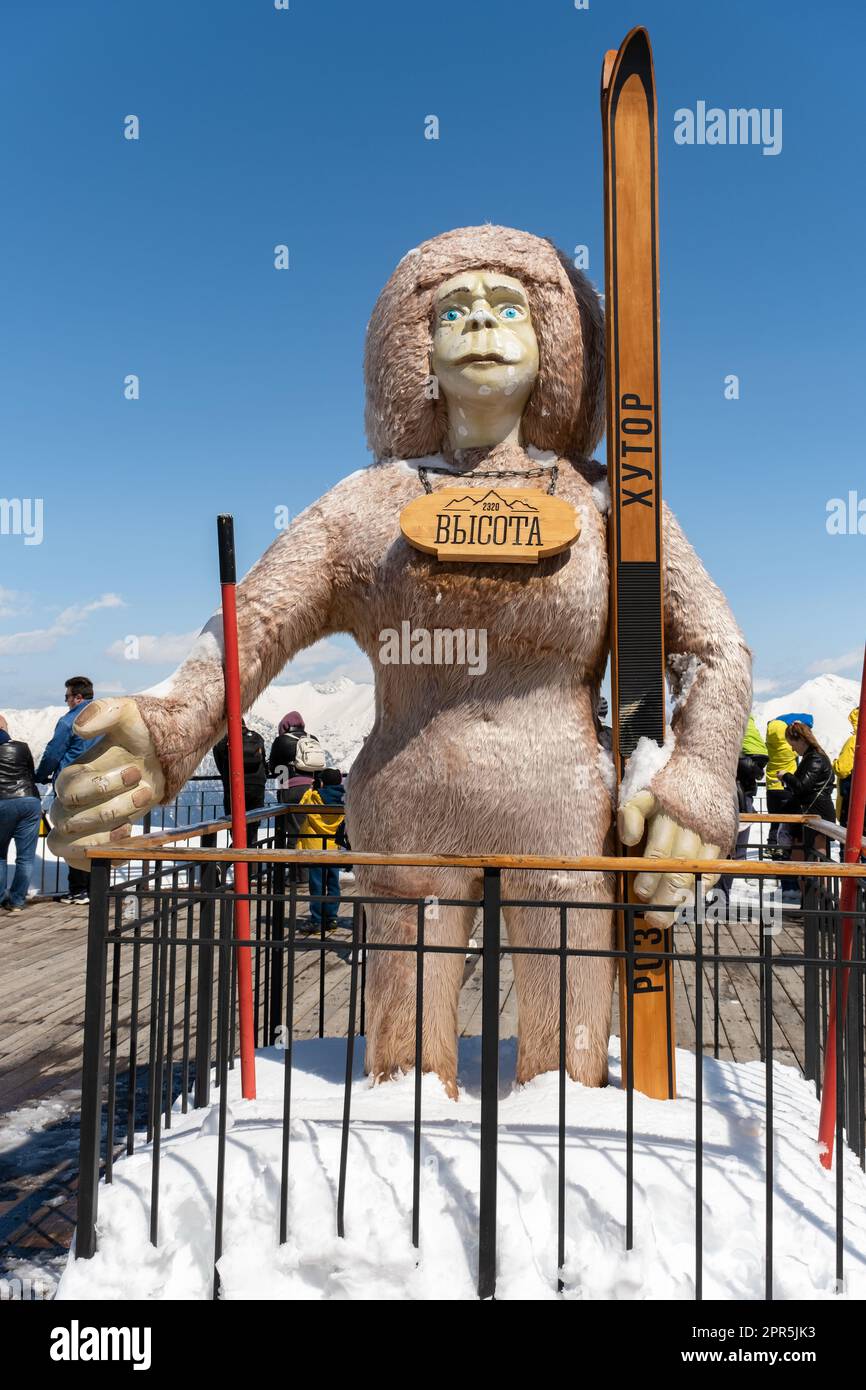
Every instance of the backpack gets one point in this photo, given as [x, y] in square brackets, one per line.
[309, 755]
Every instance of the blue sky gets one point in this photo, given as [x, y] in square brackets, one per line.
[306, 127]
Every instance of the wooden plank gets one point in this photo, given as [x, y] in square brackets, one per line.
[588, 863]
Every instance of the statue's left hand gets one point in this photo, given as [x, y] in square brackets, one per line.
[117, 779]
[666, 839]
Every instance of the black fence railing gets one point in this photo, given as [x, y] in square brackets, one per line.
[200, 800]
[170, 933]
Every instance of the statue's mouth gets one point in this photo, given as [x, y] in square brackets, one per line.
[480, 357]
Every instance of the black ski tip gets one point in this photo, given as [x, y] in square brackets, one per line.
[635, 54]
[637, 41]
[633, 57]
[226, 543]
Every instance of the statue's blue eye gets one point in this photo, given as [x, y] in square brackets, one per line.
[451, 315]
[510, 312]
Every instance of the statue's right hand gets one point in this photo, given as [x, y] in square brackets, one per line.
[112, 783]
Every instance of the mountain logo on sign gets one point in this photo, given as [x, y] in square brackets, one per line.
[518, 505]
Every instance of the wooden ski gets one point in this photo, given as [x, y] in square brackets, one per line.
[629, 122]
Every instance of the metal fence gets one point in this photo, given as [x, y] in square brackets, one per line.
[173, 926]
[200, 800]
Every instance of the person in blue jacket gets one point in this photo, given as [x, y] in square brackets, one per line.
[65, 747]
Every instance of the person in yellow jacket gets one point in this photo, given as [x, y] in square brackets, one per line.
[321, 829]
[843, 766]
[780, 755]
[780, 758]
[753, 744]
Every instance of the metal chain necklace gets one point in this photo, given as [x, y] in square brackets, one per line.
[423, 474]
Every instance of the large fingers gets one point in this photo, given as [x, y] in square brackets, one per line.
[660, 845]
[73, 850]
[104, 815]
[633, 817]
[118, 720]
[709, 852]
[82, 785]
[675, 889]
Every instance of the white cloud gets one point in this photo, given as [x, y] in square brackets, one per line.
[761, 685]
[45, 639]
[320, 652]
[152, 649]
[357, 668]
[834, 664]
[13, 603]
[326, 660]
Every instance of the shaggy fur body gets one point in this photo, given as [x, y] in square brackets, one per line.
[507, 761]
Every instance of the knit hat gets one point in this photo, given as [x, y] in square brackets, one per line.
[292, 720]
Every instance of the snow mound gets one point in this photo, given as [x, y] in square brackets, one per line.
[376, 1259]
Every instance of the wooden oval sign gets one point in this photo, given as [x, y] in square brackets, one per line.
[499, 524]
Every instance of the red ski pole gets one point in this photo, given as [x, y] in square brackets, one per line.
[847, 898]
[228, 581]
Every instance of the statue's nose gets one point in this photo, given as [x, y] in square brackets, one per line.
[481, 316]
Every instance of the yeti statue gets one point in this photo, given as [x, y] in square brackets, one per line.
[484, 363]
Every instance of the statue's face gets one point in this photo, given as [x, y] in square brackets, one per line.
[484, 344]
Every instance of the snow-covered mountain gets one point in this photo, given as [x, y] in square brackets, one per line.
[340, 713]
[34, 726]
[829, 699]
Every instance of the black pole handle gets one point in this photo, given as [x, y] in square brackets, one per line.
[226, 540]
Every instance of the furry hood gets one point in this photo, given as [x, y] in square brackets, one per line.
[565, 412]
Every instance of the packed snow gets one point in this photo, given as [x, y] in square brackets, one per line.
[40, 1137]
[19, 1126]
[376, 1259]
[645, 763]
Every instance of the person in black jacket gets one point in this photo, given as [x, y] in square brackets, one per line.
[292, 781]
[810, 787]
[255, 776]
[750, 771]
[20, 810]
[603, 731]
[282, 758]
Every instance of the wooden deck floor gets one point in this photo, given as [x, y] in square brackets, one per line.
[42, 970]
[42, 975]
